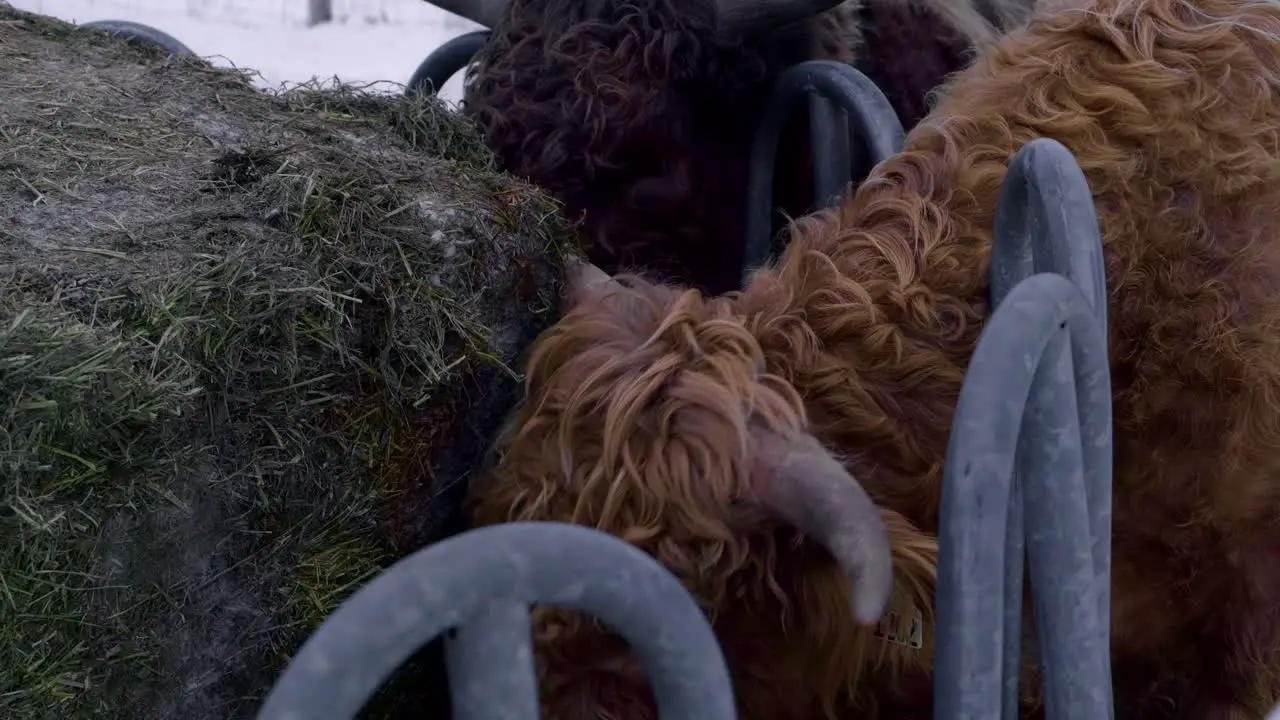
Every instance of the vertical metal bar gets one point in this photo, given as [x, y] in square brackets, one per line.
[490, 662]
[1063, 580]
[1014, 555]
[829, 143]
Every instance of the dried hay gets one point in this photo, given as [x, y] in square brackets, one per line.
[246, 343]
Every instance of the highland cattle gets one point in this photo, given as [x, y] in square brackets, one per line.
[735, 437]
[638, 114]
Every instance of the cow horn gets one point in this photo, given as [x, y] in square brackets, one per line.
[484, 12]
[581, 276]
[584, 274]
[800, 483]
[751, 15]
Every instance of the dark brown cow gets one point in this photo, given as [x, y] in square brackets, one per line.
[638, 114]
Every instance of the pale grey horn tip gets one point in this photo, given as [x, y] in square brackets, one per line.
[872, 583]
[482, 12]
[763, 15]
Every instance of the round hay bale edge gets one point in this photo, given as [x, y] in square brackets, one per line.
[251, 345]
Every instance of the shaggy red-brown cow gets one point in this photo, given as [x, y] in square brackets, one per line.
[695, 427]
[638, 114]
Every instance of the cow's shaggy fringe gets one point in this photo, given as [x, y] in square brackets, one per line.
[644, 402]
[638, 114]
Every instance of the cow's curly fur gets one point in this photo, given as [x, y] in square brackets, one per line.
[640, 400]
[638, 115]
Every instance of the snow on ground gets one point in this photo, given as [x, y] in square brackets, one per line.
[369, 41]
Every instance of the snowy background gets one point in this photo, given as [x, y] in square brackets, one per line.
[368, 40]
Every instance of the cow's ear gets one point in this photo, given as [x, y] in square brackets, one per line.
[799, 483]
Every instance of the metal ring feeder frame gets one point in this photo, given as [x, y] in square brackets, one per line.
[481, 583]
[835, 91]
[139, 33]
[1032, 436]
[446, 61]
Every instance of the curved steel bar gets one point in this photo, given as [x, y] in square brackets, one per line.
[445, 61]
[829, 145]
[1046, 222]
[1036, 395]
[140, 33]
[840, 88]
[468, 579]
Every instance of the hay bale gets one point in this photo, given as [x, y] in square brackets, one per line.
[247, 343]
